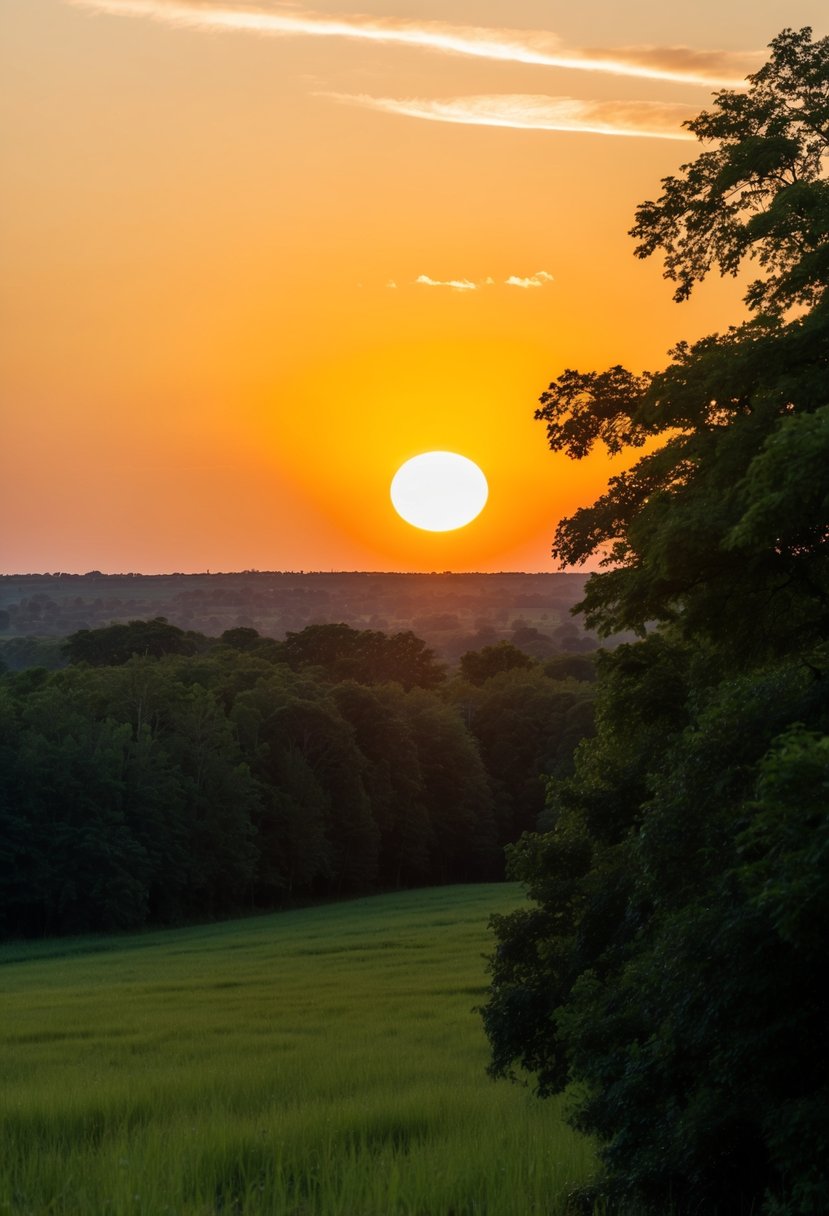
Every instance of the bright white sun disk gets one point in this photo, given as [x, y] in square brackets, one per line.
[439, 491]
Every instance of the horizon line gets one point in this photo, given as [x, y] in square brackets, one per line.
[283, 573]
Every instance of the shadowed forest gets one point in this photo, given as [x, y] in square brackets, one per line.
[164, 775]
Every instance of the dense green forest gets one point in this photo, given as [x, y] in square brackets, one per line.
[164, 776]
[670, 967]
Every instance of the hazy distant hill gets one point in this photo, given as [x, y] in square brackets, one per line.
[451, 612]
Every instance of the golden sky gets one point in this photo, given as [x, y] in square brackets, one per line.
[257, 254]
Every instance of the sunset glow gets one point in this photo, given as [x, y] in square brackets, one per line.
[258, 255]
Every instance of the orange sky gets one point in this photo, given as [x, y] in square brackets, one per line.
[215, 348]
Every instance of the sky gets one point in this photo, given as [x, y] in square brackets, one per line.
[256, 255]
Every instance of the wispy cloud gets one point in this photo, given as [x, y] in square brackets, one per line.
[455, 284]
[533, 112]
[682, 64]
[535, 280]
[539, 279]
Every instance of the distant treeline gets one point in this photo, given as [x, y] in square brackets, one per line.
[453, 613]
[165, 776]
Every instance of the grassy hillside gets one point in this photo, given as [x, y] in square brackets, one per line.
[319, 1062]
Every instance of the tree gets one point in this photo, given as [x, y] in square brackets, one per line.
[762, 192]
[478, 666]
[70, 861]
[723, 528]
[456, 791]
[318, 815]
[579, 667]
[666, 964]
[115, 644]
[527, 726]
[219, 802]
[364, 655]
[392, 780]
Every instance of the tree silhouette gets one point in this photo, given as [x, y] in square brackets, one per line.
[663, 965]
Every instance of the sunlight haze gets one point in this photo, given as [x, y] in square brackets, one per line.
[256, 256]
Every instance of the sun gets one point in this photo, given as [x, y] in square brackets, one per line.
[439, 491]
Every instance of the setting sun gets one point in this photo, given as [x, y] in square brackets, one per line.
[439, 491]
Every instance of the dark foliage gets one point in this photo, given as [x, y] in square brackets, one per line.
[365, 655]
[115, 644]
[164, 776]
[670, 963]
[478, 666]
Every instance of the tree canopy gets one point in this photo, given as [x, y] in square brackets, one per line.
[669, 962]
[721, 529]
[365, 655]
[164, 776]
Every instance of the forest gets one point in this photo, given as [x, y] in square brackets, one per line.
[164, 776]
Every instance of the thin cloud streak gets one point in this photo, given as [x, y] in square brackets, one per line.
[455, 284]
[680, 64]
[536, 280]
[534, 112]
[539, 279]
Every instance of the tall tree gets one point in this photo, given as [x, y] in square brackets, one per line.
[457, 792]
[663, 965]
[392, 779]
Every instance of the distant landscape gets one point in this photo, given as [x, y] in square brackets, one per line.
[452, 613]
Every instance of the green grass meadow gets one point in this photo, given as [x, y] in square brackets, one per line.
[322, 1062]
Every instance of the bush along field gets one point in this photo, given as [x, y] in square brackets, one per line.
[310, 1063]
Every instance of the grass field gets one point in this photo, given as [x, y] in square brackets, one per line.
[323, 1062]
